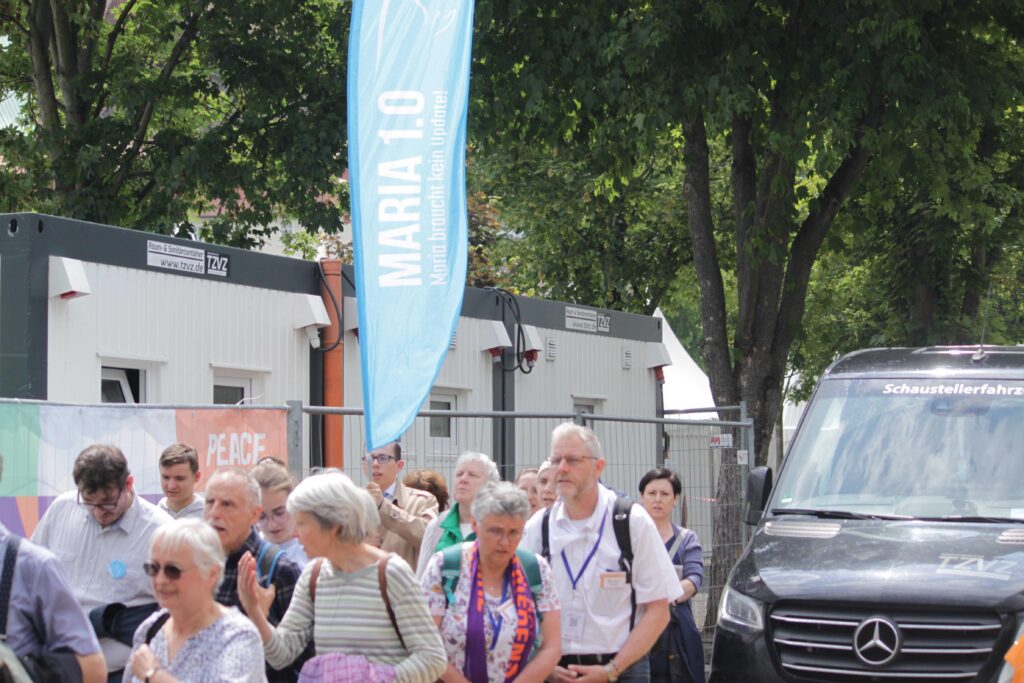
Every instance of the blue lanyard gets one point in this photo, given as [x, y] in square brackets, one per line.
[593, 551]
[496, 624]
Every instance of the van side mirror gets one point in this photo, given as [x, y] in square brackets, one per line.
[759, 487]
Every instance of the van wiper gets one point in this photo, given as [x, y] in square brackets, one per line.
[834, 514]
[980, 519]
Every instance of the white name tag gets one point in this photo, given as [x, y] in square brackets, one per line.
[613, 579]
[507, 610]
[572, 624]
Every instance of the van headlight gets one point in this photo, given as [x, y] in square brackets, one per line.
[739, 609]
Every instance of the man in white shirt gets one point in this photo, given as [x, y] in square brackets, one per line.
[100, 533]
[179, 474]
[404, 511]
[598, 642]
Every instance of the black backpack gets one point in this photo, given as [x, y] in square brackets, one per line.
[620, 524]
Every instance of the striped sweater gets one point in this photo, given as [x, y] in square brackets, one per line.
[351, 618]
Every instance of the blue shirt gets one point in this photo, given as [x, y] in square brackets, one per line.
[43, 613]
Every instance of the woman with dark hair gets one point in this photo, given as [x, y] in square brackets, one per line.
[431, 482]
[659, 493]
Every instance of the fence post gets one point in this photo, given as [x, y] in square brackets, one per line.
[580, 419]
[747, 443]
[294, 429]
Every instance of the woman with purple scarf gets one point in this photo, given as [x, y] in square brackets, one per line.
[496, 607]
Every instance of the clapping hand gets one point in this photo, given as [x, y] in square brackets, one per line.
[255, 598]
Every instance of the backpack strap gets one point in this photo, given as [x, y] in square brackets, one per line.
[451, 567]
[620, 523]
[545, 535]
[531, 567]
[314, 574]
[266, 563]
[155, 627]
[382, 581]
[7, 580]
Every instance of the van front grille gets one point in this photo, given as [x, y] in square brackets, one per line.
[843, 644]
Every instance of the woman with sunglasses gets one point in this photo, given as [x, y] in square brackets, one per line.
[175, 644]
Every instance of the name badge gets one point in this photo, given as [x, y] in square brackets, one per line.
[613, 579]
[572, 624]
[507, 610]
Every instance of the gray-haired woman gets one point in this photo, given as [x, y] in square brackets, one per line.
[362, 608]
[174, 644]
[472, 470]
[496, 607]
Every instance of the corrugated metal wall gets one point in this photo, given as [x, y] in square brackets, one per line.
[586, 370]
[181, 332]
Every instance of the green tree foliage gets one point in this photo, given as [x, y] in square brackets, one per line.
[578, 234]
[803, 98]
[151, 112]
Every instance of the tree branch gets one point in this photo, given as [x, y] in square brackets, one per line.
[815, 227]
[39, 39]
[145, 115]
[66, 62]
[16, 21]
[115, 32]
[697, 188]
[88, 46]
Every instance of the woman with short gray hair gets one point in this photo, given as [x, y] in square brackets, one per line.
[186, 564]
[497, 590]
[472, 470]
[353, 586]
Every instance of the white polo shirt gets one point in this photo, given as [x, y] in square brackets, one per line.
[601, 596]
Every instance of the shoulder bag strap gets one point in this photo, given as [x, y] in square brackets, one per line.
[314, 574]
[675, 545]
[382, 581]
[7, 580]
[155, 627]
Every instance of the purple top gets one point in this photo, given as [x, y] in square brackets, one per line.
[43, 613]
[689, 556]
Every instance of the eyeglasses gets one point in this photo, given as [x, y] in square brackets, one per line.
[570, 460]
[108, 507]
[379, 458]
[277, 515]
[171, 571]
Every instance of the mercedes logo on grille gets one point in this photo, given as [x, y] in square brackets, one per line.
[877, 641]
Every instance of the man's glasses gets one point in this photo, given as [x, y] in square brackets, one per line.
[570, 460]
[108, 507]
[379, 458]
[171, 571]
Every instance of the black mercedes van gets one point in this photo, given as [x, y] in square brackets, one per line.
[892, 546]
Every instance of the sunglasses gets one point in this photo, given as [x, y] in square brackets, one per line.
[171, 571]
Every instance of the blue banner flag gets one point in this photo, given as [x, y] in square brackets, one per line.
[408, 89]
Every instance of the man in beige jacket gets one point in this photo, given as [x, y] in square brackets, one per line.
[404, 512]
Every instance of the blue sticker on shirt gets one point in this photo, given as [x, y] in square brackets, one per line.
[118, 569]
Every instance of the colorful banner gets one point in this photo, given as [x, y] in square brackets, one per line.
[39, 444]
[408, 89]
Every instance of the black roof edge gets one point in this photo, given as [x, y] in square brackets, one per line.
[126, 247]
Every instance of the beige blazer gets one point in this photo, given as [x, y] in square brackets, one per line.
[404, 520]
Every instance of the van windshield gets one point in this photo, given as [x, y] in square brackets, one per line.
[915, 447]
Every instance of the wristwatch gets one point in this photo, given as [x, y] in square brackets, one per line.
[150, 672]
[612, 672]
